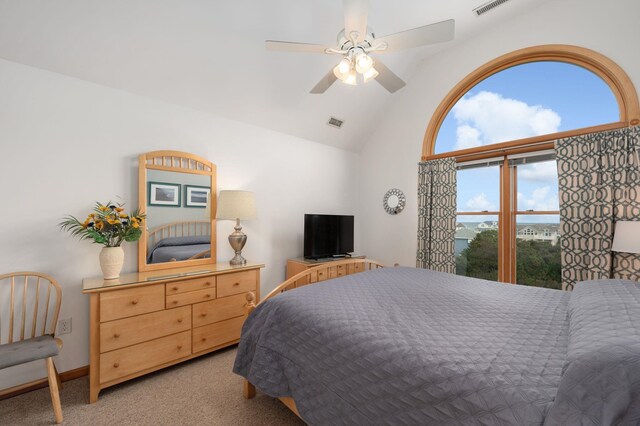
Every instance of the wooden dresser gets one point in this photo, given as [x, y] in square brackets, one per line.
[142, 322]
[299, 264]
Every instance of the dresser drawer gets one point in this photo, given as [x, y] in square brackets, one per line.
[122, 362]
[130, 331]
[217, 334]
[236, 283]
[218, 310]
[134, 301]
[191, 285]
[197, 296]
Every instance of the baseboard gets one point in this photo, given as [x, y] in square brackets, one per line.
[42, 383]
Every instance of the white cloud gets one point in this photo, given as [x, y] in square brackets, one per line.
[541, 200]
[480, 203]
[467, 137]
[487, 117]
[545, 171]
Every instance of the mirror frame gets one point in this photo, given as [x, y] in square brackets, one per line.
[401, 201]
[181, 162]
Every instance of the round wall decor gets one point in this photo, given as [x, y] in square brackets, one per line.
[393, 201]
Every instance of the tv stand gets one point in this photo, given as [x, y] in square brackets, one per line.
[299, 264]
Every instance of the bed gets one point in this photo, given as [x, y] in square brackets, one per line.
[179, 241]
[413, 346]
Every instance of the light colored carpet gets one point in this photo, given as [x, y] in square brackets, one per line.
[203, 391]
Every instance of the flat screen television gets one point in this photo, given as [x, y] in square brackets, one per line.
[327, 235]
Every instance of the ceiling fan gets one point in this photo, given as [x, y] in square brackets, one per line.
[356, 41]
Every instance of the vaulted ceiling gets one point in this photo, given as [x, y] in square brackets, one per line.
[210, 54]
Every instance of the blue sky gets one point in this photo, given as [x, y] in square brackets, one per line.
[522, 101]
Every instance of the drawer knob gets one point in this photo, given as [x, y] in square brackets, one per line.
[236, 284]
[175, 302]
[116, 335]
[134, 302]
[116, 365]
[179, 319]
[204, 339]
[175, 288]
[207, 283]
[206, 296]
[179, 347]
[204, 314]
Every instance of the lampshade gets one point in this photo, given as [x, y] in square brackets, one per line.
[627, 237]
[234, 205]
[372, 73]
[363, 63]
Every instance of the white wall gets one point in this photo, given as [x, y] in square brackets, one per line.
[65, 143]
[391, 156]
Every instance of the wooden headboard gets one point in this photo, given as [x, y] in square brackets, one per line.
[189, 228]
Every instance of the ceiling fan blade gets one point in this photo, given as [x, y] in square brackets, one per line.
[355, 17]
[289, 46]
[325, 83]
[428, 34]
[387, 78]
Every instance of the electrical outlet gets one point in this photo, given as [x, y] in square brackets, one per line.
[64, 326]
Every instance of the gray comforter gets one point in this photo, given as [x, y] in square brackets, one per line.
[412, 346]
[178, 248]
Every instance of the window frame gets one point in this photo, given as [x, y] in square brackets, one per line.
[614, 76]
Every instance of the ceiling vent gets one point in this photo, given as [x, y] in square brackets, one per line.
[488, 6]
[334, 122]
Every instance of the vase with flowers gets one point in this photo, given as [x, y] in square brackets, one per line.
[109, 226]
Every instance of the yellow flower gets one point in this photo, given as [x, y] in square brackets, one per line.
[123, 215]
[119, 209]
[103, 208]
[135, 225]
[112, 221]
[99, 225]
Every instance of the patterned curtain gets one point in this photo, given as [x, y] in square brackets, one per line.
[599, 184]
[437, 215]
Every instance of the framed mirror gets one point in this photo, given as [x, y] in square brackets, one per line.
[394, 201]
[177, 192]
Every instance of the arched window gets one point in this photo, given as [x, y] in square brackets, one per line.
[621, 88]
[527, 100]
[500, 123]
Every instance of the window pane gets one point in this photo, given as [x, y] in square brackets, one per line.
[531, 99]
[538, 250]
[479, 189]
[538, 187]
[477, 246]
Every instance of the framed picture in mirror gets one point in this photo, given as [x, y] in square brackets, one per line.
[164, 194]
[196, 196]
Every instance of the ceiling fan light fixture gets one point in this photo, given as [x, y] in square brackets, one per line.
[351, 78]
[363, 63]
[370, 75]
[344, 66]
[340, 75]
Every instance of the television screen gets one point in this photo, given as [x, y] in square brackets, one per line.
[327, 235]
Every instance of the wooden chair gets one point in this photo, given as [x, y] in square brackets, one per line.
[29, 308]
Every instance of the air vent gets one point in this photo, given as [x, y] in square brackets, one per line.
[488, 6]
[334, 122]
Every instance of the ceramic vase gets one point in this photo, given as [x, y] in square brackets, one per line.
[111, 260]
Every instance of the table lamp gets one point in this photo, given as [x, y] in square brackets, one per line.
[236, 205]
[627, 237]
